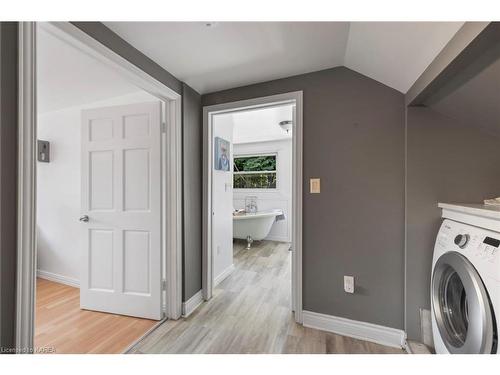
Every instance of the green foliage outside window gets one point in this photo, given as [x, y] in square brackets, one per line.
[253, 164]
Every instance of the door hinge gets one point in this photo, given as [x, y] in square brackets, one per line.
[163, 127]
[163, 284]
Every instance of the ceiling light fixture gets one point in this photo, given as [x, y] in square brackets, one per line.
[286, 125]
[211, 24]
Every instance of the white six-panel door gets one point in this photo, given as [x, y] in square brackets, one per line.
[121, 195]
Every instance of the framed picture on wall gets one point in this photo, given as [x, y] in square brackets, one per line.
[222, 158]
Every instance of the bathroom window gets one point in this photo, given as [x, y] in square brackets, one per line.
[254, 172]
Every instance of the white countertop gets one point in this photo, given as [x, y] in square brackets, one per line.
[480, 215]
[475, 209]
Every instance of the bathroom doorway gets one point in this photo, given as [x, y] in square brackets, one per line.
[252, 199]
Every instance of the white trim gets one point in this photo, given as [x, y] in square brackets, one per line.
[192, 304]
[359, 330]
[206, 258]
[173, 220]
[297, 182]
[297, 146]
[405, 243]
[58, 278]
[129, 348]
[255, 172]
[277, 239]
[407, 348]
[26, 262]
[26, 209]
[223, 275]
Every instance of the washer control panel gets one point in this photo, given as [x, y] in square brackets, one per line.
[488, 247]
[477, 244]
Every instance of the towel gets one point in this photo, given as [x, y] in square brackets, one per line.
[280, 217]
[239, 212]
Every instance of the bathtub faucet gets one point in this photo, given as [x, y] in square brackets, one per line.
[251, 204]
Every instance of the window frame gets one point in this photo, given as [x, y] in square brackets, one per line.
[253, 154]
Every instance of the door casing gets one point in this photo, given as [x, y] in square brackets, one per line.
[171, 161]
[297, 145]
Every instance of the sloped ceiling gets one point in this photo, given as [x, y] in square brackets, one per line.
[67, 77]
[396, 53]
[230, 54]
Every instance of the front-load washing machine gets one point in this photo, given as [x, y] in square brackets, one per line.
[465, 289]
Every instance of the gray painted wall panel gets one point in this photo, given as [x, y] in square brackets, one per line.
[353, 141]
[192, 191]
[8, 180]
[447, 161]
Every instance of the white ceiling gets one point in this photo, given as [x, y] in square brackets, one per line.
[396, 53]
[67, 77]
[232, 54]
[261, 124]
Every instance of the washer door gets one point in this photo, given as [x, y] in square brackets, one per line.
[461, 306]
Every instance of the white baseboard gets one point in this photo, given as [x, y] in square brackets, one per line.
[356, 329]
[192, 304]
[228, 271]
[277, 239]
[58, 278]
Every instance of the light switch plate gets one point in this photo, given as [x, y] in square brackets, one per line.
[349, 284]
[315, 185]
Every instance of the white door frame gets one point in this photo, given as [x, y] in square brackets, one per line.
[172, 214]
[297, 144]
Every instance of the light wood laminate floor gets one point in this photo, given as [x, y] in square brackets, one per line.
[250, 313]
[62, 327]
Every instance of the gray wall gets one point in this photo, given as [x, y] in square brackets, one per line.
[8, 180]
[447, 161]
[192, 176]
[353, 141]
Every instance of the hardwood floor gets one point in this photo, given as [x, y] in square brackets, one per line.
[250, 313]
[61, 327]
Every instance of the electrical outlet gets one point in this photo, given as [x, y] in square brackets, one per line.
[349, 284]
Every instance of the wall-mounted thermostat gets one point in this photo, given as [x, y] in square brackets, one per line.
[43, 151]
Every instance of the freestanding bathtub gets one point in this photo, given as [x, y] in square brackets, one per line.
[254, 226]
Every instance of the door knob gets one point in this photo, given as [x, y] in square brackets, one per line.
[84, 218]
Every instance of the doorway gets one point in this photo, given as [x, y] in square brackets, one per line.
[231, 191]
[99, 250]
[105, 259]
